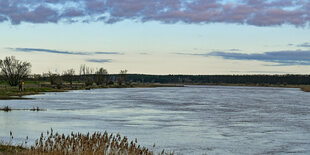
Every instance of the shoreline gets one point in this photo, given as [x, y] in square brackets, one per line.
[12, 94]
[253, 85]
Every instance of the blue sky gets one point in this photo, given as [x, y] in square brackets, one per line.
[159, 37]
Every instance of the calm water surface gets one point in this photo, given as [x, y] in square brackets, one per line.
[189, 120]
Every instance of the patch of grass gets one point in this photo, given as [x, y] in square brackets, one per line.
[4, 83]
[8, 92]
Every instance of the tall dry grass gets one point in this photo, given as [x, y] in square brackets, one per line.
[86, 144]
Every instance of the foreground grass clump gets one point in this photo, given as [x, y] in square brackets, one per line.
[76, 143]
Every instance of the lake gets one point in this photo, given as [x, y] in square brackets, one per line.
[187, 120]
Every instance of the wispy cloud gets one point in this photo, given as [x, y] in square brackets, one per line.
[47, 51]
[144, 53]
[113, 53]
[279, 58]
[61, 52]
[234, 50]
[99, 60]
[251, 12]
[304, 45]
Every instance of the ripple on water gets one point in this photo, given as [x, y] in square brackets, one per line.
[189, 120]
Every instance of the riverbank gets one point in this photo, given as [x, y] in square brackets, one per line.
[9, 93]
[13, 93]
[305, 88]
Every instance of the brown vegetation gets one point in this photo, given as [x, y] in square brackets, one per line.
[77, 143]
[305, 88]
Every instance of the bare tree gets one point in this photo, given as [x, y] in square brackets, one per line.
[69, 75]
[101, 76]
[55, 79]
[37, 77]
[13, 70]
[85, 74]
[122, 77]
[85, 70]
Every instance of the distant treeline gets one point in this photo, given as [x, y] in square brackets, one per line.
[206, 79]
[184, 79]
[218, 79]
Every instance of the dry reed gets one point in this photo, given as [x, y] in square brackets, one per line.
[86, 144]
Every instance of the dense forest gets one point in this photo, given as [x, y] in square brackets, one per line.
[203, 79]
[181, 79]
[218, 79]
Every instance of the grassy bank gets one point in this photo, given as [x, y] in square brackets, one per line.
[96, 143]
[13, 92]
[7, 92]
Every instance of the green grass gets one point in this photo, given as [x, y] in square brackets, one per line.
[26, 82]
[3, 83]
[7, 92]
